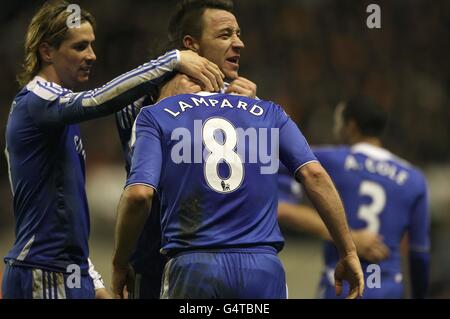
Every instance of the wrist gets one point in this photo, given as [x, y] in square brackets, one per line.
[348, 250]
[178, 60]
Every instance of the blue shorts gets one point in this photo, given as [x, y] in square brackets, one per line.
[146, 286]
[21, 282]
[389, 288]
[230, 274]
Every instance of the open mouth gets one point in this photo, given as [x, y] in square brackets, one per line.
[233, 60]
[85, 70]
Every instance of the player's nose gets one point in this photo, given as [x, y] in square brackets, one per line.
[91, 57]
[238, 43]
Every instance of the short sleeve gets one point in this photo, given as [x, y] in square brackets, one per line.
[146, 151]
[294, 149]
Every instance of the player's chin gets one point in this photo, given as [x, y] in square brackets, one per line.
[231, 75]
[83, 78]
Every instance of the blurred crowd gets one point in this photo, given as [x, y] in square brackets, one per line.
[306, 55]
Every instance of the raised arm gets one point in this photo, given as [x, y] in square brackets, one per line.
[66, 107]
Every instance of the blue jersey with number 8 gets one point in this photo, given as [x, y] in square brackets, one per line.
[213, 159]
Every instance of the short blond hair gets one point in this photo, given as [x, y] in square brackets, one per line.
[49, 24]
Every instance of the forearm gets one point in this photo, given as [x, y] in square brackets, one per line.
[302, 218]
[119, 92]
[131, 218]
[326, 200]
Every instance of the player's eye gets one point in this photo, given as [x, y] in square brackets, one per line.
[80, 46]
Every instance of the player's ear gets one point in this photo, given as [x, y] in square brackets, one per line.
[191, 43]
[46, 52]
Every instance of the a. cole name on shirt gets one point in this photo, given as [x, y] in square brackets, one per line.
[382, 168]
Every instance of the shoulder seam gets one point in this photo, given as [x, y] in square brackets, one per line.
[45, 92]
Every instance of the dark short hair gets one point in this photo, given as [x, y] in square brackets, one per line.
[370, 117]
[187, 19]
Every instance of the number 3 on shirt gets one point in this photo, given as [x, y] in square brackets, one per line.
[219, 152]
[370, 212]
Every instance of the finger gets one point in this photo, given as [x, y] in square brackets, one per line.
[244, 82]
[373, 255]
[361, 286]
[212, 74]
[369, 256]
[181, 76]
[117, 288]
[116, 293]
[120, 294]
[338, 287]
[384, 250]
[242, 89]
[212, 79]
[205, 82]
[247, 84]
[238, 90]
[195, 88]
[218, 70]
[380, 251]
[190, 86]
[353, 293]
[239, 83]
[214, 69]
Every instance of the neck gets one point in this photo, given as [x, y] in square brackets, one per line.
[49, 74]
[375, 141]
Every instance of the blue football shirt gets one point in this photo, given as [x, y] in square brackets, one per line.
[289, 190]
[381, 193]
[47, 162]
[47, 167]
[213, 159]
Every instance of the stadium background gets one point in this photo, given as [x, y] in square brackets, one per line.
[306, 55]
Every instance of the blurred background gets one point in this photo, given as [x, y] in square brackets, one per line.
[306, 55]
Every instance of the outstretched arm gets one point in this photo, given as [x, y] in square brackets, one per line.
[65, 107]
